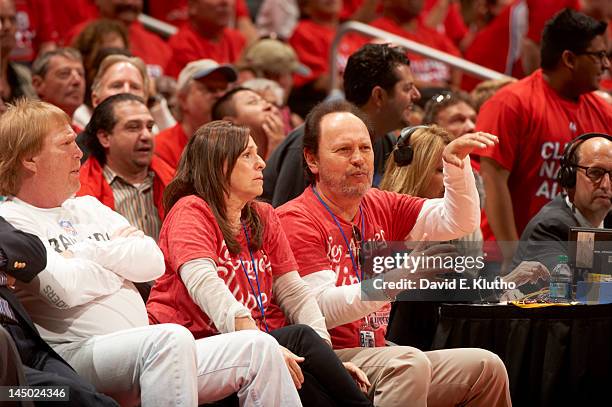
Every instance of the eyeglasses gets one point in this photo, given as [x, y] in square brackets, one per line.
[595, 174]
[441, 97]
[360, 255]
[601, 55]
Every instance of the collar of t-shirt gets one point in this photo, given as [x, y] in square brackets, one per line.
[582, 221]
[112, 177]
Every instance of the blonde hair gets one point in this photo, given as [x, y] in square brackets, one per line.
[115, 59]
[427, 144]
[23, 128]
[484, 90]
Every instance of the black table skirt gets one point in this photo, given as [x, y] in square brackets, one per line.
[555, 356]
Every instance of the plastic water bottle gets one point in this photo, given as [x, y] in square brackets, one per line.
[560, 281]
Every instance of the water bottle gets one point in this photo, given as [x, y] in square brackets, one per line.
[560, 281]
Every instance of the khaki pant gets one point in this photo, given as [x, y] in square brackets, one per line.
[404, 376]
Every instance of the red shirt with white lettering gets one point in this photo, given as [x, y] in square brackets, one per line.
[170, 143]
[424, 69]
[534, 124]
[190, 231]
[35, 26]
[318, 245]
[188, 45]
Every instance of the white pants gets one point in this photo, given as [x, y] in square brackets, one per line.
[162, 365]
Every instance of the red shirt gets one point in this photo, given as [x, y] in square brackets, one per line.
[175, 12]
[540, 11]
[453, 25]
[534, 124]
[191, 232]
[154, 51]
[35, 26]
[170, 143]
[493, 48]
[80, 11]
[93, 183]
[312, 43]
[318, 244]
[424, 69]
[187, 45]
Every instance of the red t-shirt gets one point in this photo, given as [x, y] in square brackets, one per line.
[80, 11]
[312, 43]
[154, 51]
[187, 45]
[190, 231]
[497, 46]
[318, 244]
[534, 124]
[540, 11]
[424, 69]
[35, 26]
[170, 143]
[175, 12]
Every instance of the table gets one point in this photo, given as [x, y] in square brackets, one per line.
[555, 356]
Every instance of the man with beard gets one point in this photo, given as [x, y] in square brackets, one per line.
[122, 171]
[378, 80]
[326, 227]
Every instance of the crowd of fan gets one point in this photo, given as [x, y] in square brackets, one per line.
[221, 203]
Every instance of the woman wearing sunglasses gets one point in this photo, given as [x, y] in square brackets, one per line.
[229, 266]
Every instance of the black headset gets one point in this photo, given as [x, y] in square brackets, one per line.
[567, 173]
[403, 153]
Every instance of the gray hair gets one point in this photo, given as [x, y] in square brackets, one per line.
[40, 66]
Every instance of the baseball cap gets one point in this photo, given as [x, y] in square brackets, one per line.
[273, 56]
[202, 68]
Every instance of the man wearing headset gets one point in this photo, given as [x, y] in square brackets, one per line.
[586, 176]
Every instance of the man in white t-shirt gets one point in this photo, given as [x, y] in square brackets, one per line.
[85, 304]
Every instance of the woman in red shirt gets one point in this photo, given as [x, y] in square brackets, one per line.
[229, 265]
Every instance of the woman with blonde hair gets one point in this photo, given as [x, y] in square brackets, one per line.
[415, 168]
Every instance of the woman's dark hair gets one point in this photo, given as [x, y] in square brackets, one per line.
[205, 170]
[103, 118]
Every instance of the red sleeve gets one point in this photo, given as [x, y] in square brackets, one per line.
[182, 53]
[502, 117]
[46, 22]
[311, 53]
[454, 25]
[276, 243]
[307, 243]
[241, 9]
[191, 232]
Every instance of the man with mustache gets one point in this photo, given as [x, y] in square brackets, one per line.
[586, 175]
[327, 227]
[122, 171]
[58, 77]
